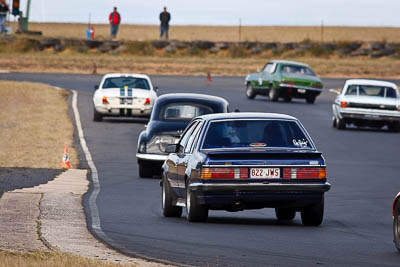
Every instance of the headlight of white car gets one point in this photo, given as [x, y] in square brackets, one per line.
[159, 142]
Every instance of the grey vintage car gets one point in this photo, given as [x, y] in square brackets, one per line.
[367, 103]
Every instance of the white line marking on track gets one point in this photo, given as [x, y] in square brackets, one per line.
[335, 91]
[96, 226]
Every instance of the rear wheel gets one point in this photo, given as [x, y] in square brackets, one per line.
[314, 214]
[288, 98]
[333, 122]
[145, 170]
[396, 226]
[195, 212]
[285, 214]
[340, 124]
[394, 126]
[167, 199]
[96, 115]
[250, 92]
[310, 99]
[273, 93]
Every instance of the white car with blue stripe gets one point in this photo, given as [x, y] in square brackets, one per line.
[124, 95]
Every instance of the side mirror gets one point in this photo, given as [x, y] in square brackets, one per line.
[156, 89]
[171, 148]
[96, 87]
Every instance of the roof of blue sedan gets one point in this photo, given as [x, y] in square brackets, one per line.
[190, 96]
[247, 115]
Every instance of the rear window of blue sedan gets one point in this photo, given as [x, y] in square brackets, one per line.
[255, 133]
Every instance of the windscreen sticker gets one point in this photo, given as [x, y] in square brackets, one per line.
[258, 144]
[300, 143]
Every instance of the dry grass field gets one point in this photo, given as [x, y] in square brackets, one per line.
[35, 126]
[53, 259]
[70, 62]
[15, 58]
[224, 33]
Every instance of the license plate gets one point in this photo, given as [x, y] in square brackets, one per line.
[126, 101]
[265, 173]
[301, 91]
[372, 116]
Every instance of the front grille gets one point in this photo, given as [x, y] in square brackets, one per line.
[372, 106]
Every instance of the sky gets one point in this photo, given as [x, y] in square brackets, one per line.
[223, 12]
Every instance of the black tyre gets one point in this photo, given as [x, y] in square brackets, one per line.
[145, 170]
[314, 214]
[195, 212]
[285, 214]
[167, 199]
[396, 226]
[340, 124]
[310, 99]
[250, 92]
[287, 98]
[273, 93]
[97, 116]
[394, 127]
[333, 122]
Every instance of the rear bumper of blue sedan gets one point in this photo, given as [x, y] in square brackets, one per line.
[258, 195]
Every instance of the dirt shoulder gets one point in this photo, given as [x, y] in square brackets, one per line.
[42, 221]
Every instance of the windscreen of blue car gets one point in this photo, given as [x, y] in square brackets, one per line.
[130, 82]
[255, 133]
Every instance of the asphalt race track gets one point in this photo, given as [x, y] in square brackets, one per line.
[363, 168]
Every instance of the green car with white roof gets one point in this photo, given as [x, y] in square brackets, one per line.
[284, 79]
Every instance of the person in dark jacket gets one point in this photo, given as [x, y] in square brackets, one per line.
[115, 20]
[3, 15]
[165, 17]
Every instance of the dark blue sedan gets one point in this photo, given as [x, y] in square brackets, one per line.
[238, 161]
[170, 116]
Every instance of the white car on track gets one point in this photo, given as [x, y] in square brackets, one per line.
[367, 103]
[124, 95]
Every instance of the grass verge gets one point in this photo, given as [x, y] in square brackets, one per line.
[35, 126]
[51, 259]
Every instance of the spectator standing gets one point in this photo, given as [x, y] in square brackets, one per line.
[165, 17]
[115, 20]
[3, 15]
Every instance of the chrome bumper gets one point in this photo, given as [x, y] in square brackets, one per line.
[300, 87]
[155, 157]
[115, 110]
[260, 187]
[368, 114]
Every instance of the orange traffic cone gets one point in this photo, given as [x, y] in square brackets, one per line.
[208, 79]
[65, 164]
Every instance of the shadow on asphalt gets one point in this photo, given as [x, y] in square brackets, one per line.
[367, 129]
[125, 120]
[252, 221]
